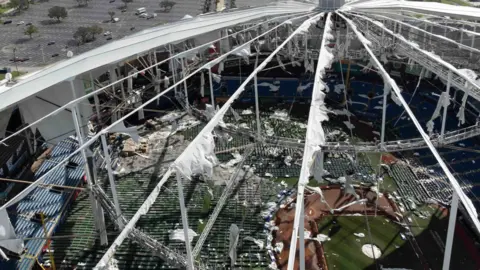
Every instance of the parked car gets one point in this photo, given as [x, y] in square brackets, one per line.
[140, 11]
[143, 15]
[20, 22]
[107, 33]
[27, 24]
[109, 37]
[51, 43]
[116, 20]
[123, 10]
[151, 16]
[18, 59]
[7, 22]
[55, 55]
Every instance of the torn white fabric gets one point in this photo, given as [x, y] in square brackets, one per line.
[166, 82]
[302, 88]
[340, 209]
[237, 158]
[131, 131]
[236, 116]
[257, 242]
[349, 125]
[243, 51]
[280, 63]
[232, 250]
[273, 87]
[339, 88]
[443, 101]
[318, 190]
[317, 169]
[178, 234]
[201, 158]
[8, 238]
[202, 84]
[280, 115]
[349, 189]
[217, 78]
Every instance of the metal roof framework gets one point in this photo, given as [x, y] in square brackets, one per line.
[138, 43]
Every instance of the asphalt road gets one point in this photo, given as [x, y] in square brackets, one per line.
[62, 33]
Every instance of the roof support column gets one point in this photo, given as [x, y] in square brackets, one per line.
[111, 179]
[384, 113]
[172, 68]
[473, 38]
[461, 35]
[451, 231]
[445, 109]
[183, 211]
[257, 110]
[184, 74]
[96, 208]
[212, 97]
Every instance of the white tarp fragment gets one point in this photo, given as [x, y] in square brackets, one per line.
[232, 250]
[201, 158]
[8, 238]
[302, 88]
[257, 242]
[166, 82]
[243, 51]
[340, 209]
[179, 235]
[217, 78]
[131, 131]
[349, 189]
[235, 115]
[273, 87]
[280, 115]
[319, 191]
[339, 88]
[361, 235]
[371, 251]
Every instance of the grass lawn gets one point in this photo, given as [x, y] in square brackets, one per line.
[3, 9]
[14, 74]
[343, 251]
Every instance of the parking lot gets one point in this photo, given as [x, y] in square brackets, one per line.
[40, 53]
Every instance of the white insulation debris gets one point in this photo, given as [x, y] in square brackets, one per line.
[257, 242]
[179, 235]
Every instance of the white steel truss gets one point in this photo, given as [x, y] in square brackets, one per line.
[312, 145]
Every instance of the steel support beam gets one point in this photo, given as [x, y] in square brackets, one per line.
[445, 109]
[451, 231]
[212, 97]
[183, 212]
[98, 215]
[456, 186]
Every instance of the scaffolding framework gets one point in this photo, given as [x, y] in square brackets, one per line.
[363, 19]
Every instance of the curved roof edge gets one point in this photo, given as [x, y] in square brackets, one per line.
[137, 43]
[463, 12]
